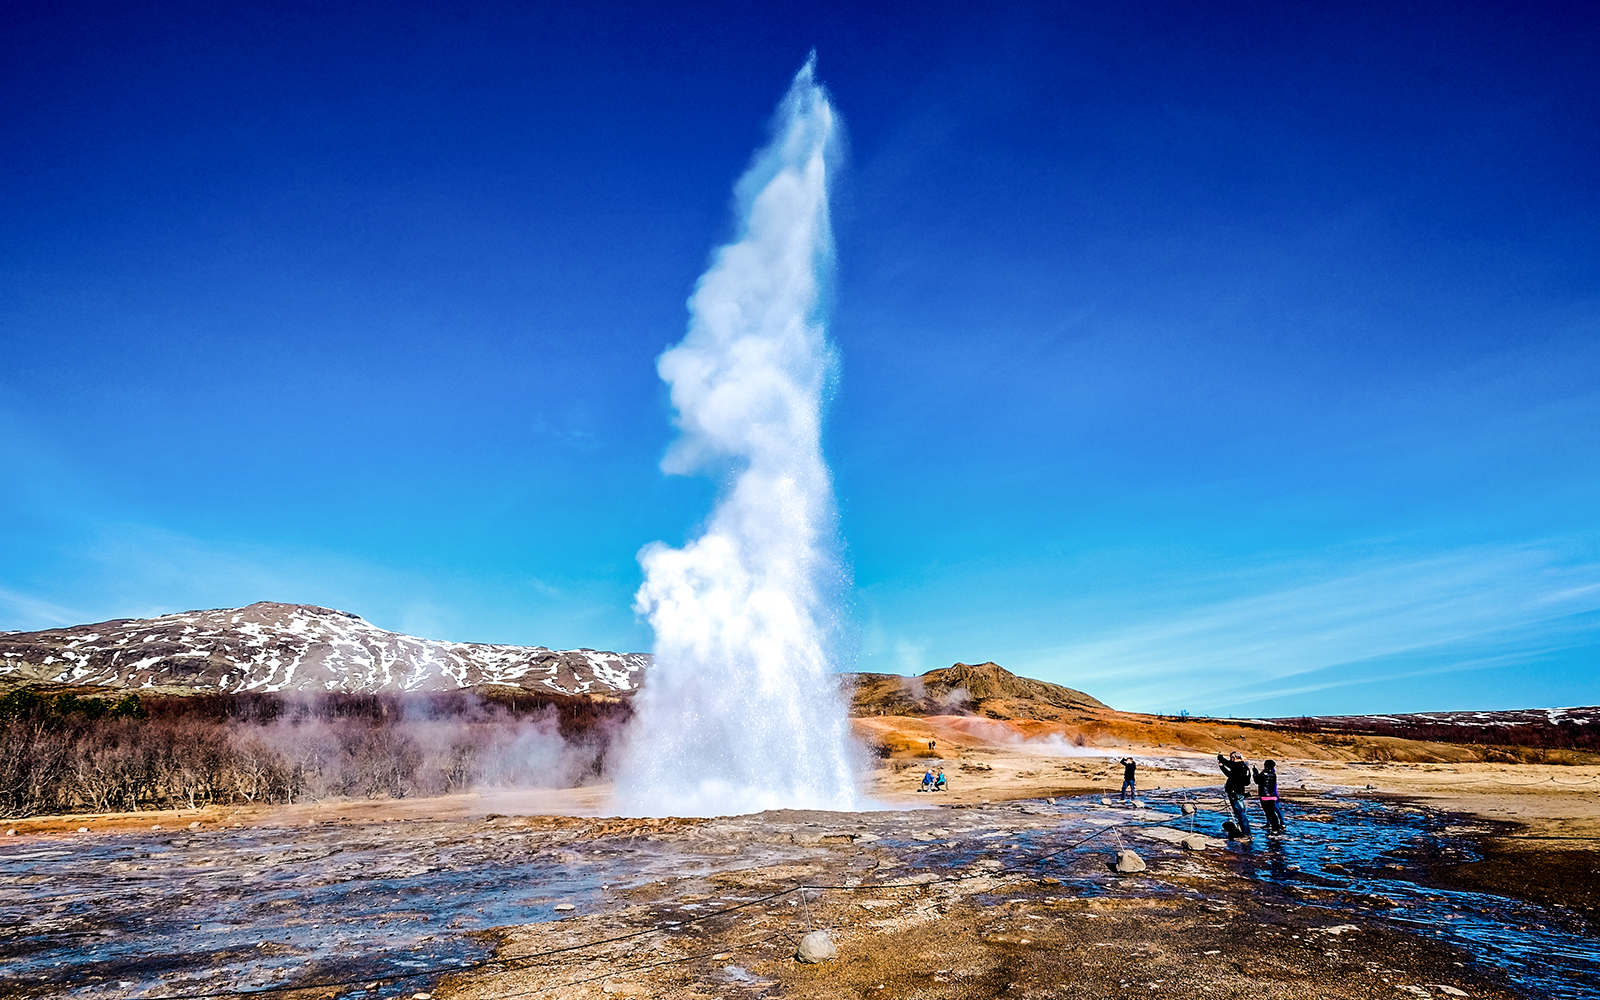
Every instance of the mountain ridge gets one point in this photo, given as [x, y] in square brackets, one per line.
[274, 647]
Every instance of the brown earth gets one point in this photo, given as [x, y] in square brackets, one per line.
[1191, 925]
[1193, 929]
[1200, 932]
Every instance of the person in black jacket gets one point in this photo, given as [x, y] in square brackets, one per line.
[1237, 787]
[1130, 768]
[1267, 788]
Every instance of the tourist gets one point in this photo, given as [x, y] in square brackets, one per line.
[1129, 786]
[939, 784]
[1236, 788]
[1267, 787]
[927, 781]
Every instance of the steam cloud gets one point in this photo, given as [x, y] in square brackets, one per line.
[742, 710]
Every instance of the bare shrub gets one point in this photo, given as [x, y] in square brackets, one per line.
[67, 753]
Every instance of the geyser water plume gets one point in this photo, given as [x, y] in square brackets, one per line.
[742, 710]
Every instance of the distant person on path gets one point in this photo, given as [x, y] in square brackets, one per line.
[927, 781]
[1267, 787]
[1130, 788]
[1237, 787]
[939, 784]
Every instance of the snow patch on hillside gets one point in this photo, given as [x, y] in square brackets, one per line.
[296, 647]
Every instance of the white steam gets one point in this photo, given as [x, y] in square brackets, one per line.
[742, 710]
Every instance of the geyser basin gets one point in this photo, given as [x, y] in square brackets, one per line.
[117, 915]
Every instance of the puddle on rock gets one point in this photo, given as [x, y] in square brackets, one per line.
[1355, 856]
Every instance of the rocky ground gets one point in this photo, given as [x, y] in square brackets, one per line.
[955, 899]
[1436, 878]
[1017, 917]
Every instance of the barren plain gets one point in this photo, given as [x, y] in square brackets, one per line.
[1415, 875]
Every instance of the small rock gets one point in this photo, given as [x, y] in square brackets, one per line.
[1372, 786]
[422, 996]
[1194, 842]
[83, 829]
[722, 956]
[11, 833]
[1128, 862]
[1049, 880]
[1187, 808]
[195, 825]
[816, 947]
[156, 827]
[564, 907]
[1051, 801]
[1105, 802]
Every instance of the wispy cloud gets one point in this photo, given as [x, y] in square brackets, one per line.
[1460, 611]
[132, 570]
[24, 612]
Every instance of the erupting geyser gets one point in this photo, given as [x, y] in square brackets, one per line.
[742, 710]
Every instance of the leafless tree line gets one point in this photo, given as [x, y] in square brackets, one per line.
[1563, 735]
[177, 752]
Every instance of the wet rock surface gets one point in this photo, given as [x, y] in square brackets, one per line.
[935, 902]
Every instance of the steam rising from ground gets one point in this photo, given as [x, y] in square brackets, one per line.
[64, 754]
[742, 710]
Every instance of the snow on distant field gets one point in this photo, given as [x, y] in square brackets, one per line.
[298, 647]
[1581, 716]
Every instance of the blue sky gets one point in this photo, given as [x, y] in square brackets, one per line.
[1230, 358]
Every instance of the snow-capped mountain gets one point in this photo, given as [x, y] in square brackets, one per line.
[298, 647]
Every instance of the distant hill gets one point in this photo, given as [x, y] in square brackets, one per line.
[981, 689]
[297, 647]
